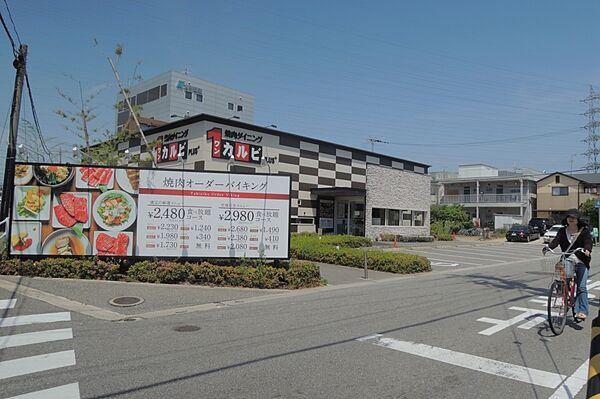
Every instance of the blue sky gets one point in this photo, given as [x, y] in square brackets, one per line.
[444, 83]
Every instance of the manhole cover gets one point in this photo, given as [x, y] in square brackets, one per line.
[186, 328]
[124, 301]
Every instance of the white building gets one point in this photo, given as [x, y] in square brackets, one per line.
[173, 96]
[496, 197]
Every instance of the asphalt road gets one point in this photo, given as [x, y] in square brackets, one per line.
[472, 330]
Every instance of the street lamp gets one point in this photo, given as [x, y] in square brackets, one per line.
[230, 162]
[263, 163]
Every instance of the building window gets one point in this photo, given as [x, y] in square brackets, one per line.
[163, 90]
[199, 97]
[230, 106]
[154, 94]
[406, 218]
[419, 218]
[378, 216]
[142, 98]
[557, 179]
[393, 217]
[590, 190]
[188, 95]
[240, 108]
[560, 191]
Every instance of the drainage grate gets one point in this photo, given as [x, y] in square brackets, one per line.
[125, 301]
[186, 328]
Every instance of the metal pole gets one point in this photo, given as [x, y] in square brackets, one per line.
[366, 269]
[11, 151]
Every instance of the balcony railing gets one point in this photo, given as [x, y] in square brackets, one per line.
[482, 199]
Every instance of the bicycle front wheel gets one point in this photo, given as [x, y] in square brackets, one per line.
[557, 308]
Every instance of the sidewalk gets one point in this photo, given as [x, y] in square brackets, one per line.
[91, 297]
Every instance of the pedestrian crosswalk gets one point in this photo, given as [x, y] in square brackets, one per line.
[26, 365]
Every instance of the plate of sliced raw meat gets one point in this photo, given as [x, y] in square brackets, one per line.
[108, 243]
[90, 177]
[68, 209]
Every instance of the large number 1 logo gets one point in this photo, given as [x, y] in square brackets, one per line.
[215, 135]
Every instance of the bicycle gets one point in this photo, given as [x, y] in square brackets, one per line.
[561, 296]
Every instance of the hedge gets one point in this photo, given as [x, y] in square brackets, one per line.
[310, 247]
[90, 269]
[292, 275]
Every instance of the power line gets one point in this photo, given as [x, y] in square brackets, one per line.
[12, 42]
[35, 118]
[12, 21]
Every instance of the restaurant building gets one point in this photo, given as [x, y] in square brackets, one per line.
[336, 189]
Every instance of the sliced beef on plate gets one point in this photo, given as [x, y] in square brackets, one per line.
[81, 209]
[122, 243]
[105, 243]
[68, 202]
[63, 216]
[106, 175]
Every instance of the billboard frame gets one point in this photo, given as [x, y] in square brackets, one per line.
[134, 258]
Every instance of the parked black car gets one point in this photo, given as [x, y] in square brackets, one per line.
[522, 233]
[540, 224]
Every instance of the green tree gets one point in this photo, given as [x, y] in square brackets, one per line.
[590, 212]
[103, 150]
[452, 217]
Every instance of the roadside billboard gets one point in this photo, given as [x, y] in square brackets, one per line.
[68, 210]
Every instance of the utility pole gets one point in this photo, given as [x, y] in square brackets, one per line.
[592, 138]
[374, 140]
[11, 152]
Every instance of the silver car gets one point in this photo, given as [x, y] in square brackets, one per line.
[551, 233]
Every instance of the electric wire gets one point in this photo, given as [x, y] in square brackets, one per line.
[10, 39]
[35, 117]
[12, 21]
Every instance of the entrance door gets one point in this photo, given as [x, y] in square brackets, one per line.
[357, 218]
[341, 217]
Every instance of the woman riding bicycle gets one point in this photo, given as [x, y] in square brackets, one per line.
[576, 234]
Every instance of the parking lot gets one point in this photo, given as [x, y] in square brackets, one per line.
[462, 255]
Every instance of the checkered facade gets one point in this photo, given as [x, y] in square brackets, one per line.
[310, 163]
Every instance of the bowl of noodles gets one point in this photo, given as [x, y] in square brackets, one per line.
[53, 175]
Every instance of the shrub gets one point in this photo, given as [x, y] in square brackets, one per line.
[387, 237]
[354, 257]
[91, 269]
[341, 240]
[292, 275]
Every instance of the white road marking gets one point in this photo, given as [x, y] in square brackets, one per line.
[502, 324]
[571, 387]
[70, 391]
[477, 363]
[35, 319]
[444, 264]
[446, 260]
[9, 341]
[7, 303]
[35, 364]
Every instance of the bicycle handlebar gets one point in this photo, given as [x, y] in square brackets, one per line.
[565, 253]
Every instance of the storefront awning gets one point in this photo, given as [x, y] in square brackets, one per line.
[338, 192]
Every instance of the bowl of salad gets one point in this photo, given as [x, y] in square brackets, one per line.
[114, 210]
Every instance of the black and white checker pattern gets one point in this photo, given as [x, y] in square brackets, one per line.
[311, 164]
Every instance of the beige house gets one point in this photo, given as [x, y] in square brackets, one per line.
[559, 192]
